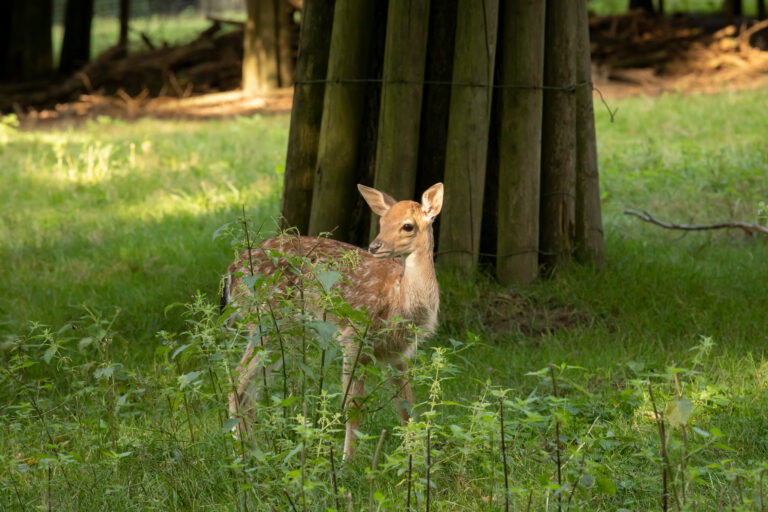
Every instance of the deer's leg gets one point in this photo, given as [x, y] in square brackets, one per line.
[353, 387]
[250, 378]
[401, 383]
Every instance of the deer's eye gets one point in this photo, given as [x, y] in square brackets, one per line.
[407, 227]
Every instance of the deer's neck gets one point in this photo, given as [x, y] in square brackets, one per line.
[420, 294]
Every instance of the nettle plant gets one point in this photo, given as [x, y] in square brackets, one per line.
[87, 427]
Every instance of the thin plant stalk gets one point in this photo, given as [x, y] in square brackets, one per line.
[410, 472]
[248, 240]
[186, 406]
[684, 456]
[504, 455]
[354, 367]
[333, 477]
[293, 507]
[429, 463]
[664, 455]
[374, 465]
[304, 455]
[557, 438]
[282, 355]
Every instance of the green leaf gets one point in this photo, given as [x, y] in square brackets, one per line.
[188, 378]
[230, 424]
[378, 496]
[250, 282]
[678, 411]
[587, 480]
[606, 486]
[84, 343]
[328, 278]
[179, 351]
[48, 355]
[326, 332]
[219, 231]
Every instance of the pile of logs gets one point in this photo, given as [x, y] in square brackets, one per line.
[210, 63]
[677, 45]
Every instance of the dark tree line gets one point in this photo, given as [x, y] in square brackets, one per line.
[26, 46]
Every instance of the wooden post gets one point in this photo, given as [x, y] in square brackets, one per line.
[517, 254]
[334, 193]
[306, 113]
[76, 44]
[589, 225]
[468, 125]
[397, 148]
[558, 155]
[125, 16]
[260, 47]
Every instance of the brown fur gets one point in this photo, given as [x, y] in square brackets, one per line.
[397, 281]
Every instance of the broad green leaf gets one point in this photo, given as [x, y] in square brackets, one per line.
[327, 279]
[326, 332]
[606, 486]
[678, 411]
[188, 378]
[230, 424]
[587, 480]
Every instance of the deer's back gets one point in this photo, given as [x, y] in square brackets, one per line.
[366, 282]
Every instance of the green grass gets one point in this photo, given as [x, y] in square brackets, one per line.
[89, 221]
[605, 7]
[173, 30]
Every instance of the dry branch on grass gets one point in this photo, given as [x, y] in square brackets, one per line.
[747, 227]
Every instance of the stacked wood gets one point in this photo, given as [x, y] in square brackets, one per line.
[676, 46]
[210, 63]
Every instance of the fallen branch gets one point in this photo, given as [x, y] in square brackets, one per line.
[748, 228]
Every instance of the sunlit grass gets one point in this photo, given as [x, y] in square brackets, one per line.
[115, 215]
[113, 212]
[605, 7]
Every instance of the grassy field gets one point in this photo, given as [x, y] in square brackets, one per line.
[105, 225]
[173, 30]
[604, 7]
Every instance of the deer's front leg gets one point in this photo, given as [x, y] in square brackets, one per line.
[251, 377]
[401, 383]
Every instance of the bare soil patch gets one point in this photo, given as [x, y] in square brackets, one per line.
[509, 312]
[635, 53]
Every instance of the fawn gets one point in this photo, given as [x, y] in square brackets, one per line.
[394, 279]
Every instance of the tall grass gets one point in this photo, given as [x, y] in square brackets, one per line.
[102, 412]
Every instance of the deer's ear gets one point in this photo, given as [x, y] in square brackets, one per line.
[379, 202]
[432, 201]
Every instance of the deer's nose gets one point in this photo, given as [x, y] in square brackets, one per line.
[374, 247]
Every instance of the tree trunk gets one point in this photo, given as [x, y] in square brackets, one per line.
[761, 13]
[307, 113]
[125, 16]
[28, 49]
[468, 125]
[517, 254]
[436, 99]
[284, 34]
[589, 225]
[397, 150]
[733, 9]
[76, 46]
[558, 156]
[334, 193]
[260, 47]
[646, 5]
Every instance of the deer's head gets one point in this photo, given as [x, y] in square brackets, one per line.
[405, 226]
